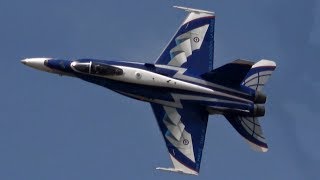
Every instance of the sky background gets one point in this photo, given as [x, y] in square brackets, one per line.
[60, 128]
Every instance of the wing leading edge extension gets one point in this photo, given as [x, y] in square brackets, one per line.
[184, 133]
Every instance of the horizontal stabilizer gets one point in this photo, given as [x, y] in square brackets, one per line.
[259, 74]
[249, 128]
[231, 74]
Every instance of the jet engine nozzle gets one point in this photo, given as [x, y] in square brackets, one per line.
[260, 98]
[258, 110]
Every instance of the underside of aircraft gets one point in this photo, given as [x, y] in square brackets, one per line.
[183, 88]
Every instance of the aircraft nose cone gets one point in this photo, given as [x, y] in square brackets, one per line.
[37, 63]
[24, 61]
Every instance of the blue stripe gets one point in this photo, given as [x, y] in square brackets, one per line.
[195, 122]
[205, 53]
[260, 69]
[236, 123]
[64, 66]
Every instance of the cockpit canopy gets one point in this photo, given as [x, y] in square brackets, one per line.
[96, 68]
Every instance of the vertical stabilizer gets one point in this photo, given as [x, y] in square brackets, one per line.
[249, 128]
[259, 74]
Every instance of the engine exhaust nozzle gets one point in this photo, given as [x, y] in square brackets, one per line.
[260, 98]
[259, 110]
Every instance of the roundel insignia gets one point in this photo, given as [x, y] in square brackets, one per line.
[196, 39]
[185, 142]
[138, 75]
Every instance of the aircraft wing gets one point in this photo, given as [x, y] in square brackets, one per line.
[192, 45]
[184, 133]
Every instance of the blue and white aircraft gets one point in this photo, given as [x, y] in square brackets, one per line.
[183, 88]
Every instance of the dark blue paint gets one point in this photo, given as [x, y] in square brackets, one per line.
[203, 55]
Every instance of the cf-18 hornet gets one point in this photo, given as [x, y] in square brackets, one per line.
[183, 88]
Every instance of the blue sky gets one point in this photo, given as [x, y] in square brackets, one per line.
[62, 128]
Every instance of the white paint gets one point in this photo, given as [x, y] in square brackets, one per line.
[186, 44]
[154, 79]
[173, 114]
[176, 133]
[193, 10]
[247, 124]
[37, 63]
[262, 76]
[199, 33]
[256, 147]
[177, 100]
[157, 80]
[185, 149]
[262, 73]
[196, 15]
[264, 62]
[175, 130]
[180, 167]
[178, 59]
[177, 171]
[180, 75]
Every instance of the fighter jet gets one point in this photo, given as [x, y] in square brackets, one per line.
[183, 88]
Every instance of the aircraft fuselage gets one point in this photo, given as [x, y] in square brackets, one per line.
[161, 84]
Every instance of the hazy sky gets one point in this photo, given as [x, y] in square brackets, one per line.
[59, 128]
